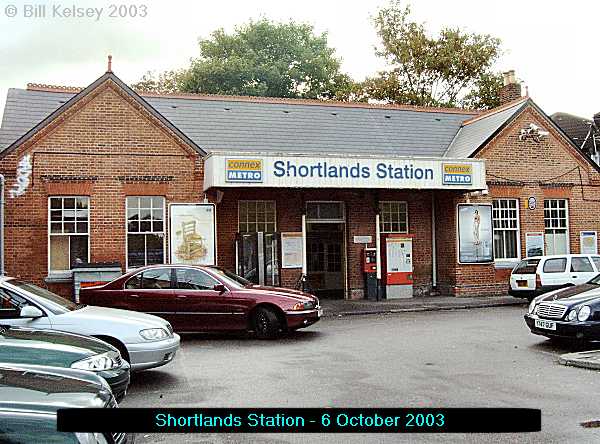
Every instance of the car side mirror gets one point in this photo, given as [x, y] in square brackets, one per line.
[220, 288]
[29, 311]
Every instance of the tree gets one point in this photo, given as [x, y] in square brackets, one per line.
[166, 82]
[260, 58]
[451, 69]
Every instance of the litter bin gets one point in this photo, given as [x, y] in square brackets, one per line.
[88, 274]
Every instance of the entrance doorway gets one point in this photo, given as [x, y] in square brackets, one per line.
[326, 248]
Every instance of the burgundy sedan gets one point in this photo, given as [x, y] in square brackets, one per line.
[198, 299]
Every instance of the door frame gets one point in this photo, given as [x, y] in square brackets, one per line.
[343, 221]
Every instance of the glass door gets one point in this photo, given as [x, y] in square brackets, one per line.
[258, 257]
[271, 255]
[247, 256]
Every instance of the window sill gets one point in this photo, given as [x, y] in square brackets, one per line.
[59, 278]
[508, 263]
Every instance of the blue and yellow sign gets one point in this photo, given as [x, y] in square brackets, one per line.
[244, 170]
[457, 174]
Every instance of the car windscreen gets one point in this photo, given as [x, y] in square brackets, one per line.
[51, 301]
[231, 278]
[19, 428]
[526, 266]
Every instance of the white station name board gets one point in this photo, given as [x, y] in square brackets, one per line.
[300, 171]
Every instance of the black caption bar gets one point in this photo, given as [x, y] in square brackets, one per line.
[297, 420]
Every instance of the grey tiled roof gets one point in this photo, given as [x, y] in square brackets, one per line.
[472, 135]
[577, 128]
[25, 109]
[243, 125]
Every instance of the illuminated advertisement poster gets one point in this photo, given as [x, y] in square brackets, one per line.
[192, 234]
[588, 242]
[475, 234]
[534, 244]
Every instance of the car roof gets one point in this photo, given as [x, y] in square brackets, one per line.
[46, 389]
[552, 256]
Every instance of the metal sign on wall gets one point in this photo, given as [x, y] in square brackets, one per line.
[305, 171]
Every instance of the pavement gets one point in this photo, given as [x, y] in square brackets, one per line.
[341, 307]
[589, 359]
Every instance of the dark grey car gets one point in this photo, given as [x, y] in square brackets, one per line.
[30, 398]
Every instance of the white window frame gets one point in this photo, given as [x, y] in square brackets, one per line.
[49, 228]
[164, 231]
[256, 201]
[567, 228]
[518, 230]
[381, 222]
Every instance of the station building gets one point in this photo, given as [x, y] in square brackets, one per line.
[350, 200]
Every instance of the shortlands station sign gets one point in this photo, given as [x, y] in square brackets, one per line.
[304, 171]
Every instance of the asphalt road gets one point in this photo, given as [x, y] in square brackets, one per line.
[464, 358]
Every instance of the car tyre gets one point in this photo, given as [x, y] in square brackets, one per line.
[266, 324]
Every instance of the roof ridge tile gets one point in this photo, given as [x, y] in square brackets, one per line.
[273, 100]
[496, 110]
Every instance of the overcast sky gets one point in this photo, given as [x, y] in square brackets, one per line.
[552, 45]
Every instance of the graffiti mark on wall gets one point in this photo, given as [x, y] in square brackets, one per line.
[22, 180]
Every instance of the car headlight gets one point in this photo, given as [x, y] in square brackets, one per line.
[308, 305]
[154, 334]
[584, 313]
[572, 316]
[532, 306]
[105, 361]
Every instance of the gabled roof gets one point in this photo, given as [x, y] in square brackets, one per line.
[28, 111]
[471, 139]
[578, 129]
[221, 123]
[475, 133]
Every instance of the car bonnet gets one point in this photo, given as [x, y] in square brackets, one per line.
[53, 340]
[21, 387]
[108, 316]
[573, 295]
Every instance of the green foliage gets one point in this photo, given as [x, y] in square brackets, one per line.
[264, 58]
[451, 69]
[165, 83]
[260, 58]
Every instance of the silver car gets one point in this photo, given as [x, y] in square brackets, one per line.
[144, 340]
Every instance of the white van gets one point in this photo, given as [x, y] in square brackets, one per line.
[540, 274]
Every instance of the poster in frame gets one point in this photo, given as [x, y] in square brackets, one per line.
[588, 241]
[534, 244]
[291, 250]
[192, 233]
[475, 234]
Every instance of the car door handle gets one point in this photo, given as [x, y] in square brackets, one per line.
[574, 276]
[181, 296]
[134, 296]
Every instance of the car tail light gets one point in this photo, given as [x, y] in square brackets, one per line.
[538, 281]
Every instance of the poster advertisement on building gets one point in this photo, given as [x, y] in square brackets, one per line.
[534, 244]
[589, 242]
[192, 234]
[475, 234]
[291, 250]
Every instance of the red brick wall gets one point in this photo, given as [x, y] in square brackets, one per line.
[110, 140]
[360, 221]
[509, 160]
